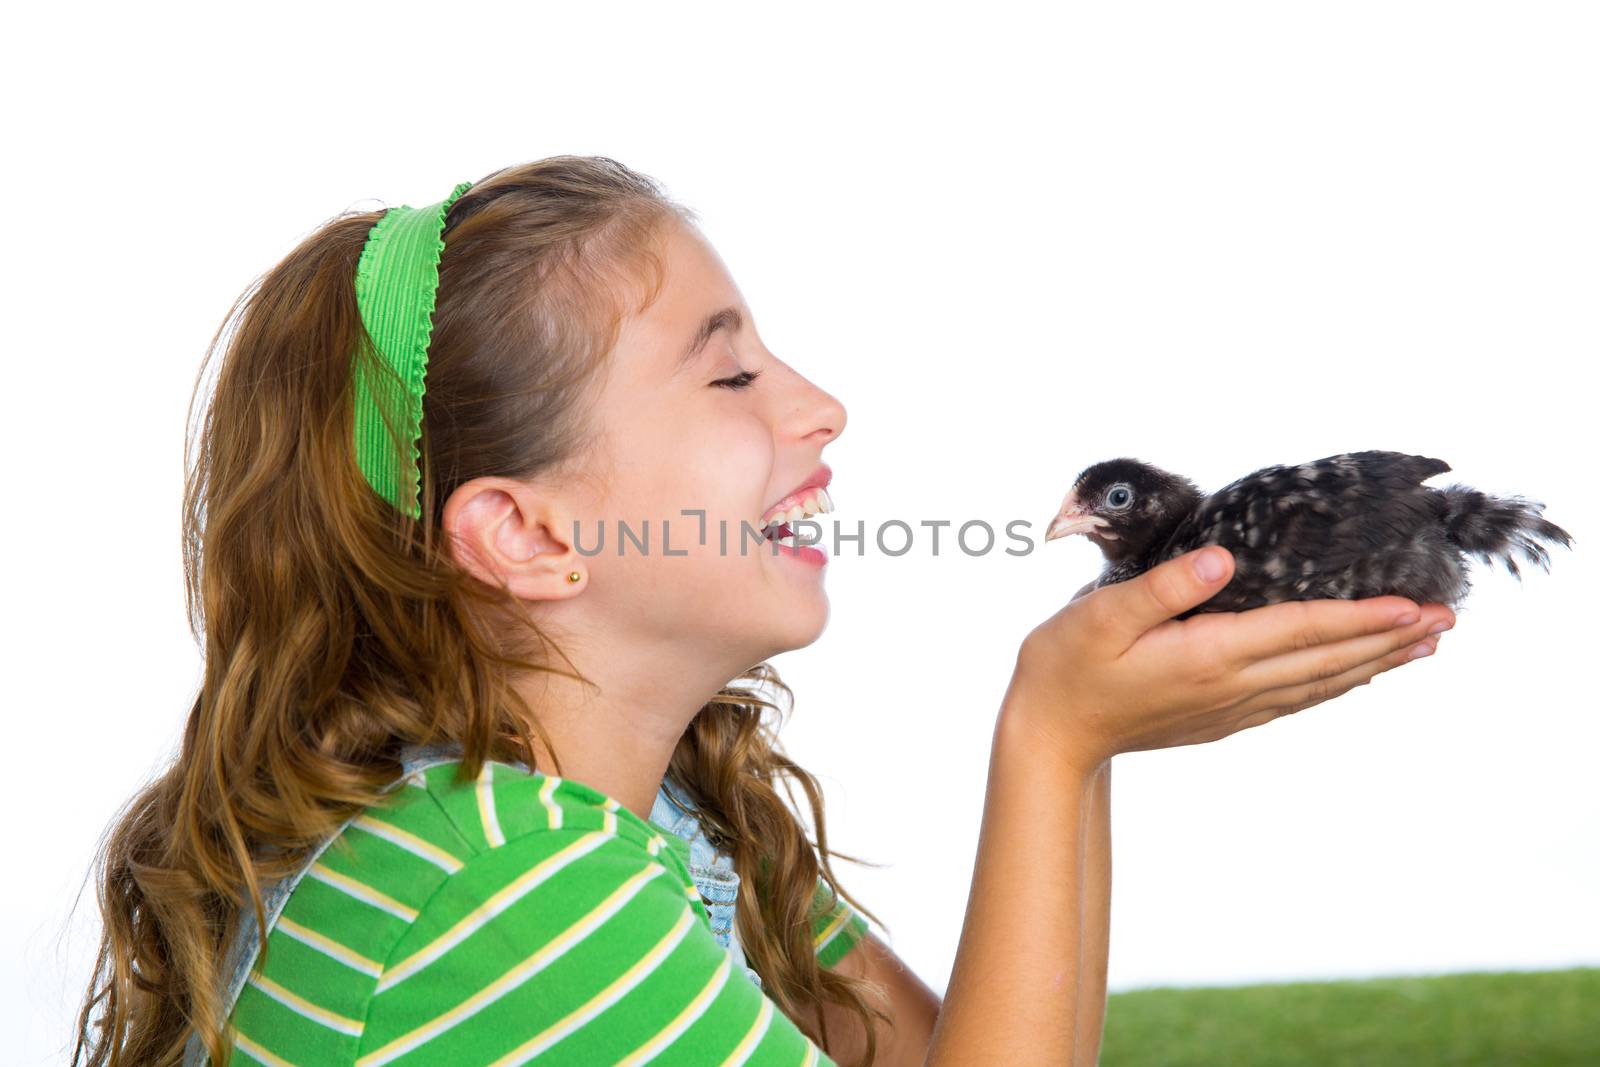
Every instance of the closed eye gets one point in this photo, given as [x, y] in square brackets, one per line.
[738, 381]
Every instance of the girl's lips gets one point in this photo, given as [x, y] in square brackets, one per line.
[814, 554]
[819, 480]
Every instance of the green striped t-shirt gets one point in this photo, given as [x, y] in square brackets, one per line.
[517, 918]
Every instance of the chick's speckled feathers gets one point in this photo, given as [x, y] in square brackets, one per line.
[1350, 526]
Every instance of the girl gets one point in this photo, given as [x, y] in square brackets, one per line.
[466, 790]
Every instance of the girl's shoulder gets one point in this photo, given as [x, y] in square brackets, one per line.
[456, 883]
[505, 801]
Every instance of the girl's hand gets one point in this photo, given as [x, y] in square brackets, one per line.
[1113, 672]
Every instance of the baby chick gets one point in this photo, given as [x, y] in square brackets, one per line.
[1350, 526]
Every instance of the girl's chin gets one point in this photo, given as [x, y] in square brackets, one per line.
[795, 624]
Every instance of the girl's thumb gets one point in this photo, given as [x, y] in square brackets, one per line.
[1173, 587]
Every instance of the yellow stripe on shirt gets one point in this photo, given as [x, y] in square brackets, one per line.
[691, 1011]
[364, 893]
[486, 812]
[410, 842]
[602, 1000]
[752, 1037]
[329, 947]
[530, 966]
[474, 920]
[301, 1006]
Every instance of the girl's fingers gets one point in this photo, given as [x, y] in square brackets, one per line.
[1266, 632]
[1285, 700]
[1332, 660]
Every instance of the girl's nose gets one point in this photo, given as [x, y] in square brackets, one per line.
[822, 416]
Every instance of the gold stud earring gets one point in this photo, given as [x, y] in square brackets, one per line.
[574, 577]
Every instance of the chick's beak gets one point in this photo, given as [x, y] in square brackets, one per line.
[1074, 517]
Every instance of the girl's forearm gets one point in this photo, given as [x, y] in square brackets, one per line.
[1096, 923]
[1014, 991]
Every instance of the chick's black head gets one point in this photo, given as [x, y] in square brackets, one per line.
[1124, 506]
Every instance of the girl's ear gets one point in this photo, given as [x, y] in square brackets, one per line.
[506, 533]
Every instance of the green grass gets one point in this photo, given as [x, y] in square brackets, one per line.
[1516, 1019]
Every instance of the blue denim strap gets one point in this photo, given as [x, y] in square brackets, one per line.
[712, 871]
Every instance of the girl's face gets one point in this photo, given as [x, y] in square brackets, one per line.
[728, 429]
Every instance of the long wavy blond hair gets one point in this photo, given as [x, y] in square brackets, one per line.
[335, 629]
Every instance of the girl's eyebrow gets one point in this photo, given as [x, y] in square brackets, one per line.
[724, 318]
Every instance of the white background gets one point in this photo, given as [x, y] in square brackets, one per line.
[1013, 243]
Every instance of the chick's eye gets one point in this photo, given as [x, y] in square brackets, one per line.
[1119, 497]
[738, 381]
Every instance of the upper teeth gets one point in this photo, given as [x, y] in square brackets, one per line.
[815, 503]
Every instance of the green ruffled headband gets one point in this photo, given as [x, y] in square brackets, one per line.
[397, 279]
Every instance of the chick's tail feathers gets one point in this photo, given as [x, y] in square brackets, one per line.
[1497, 527]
